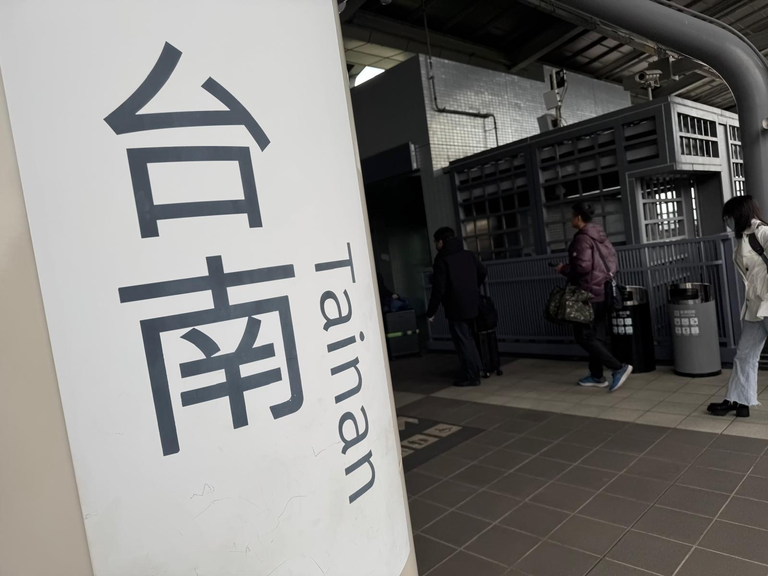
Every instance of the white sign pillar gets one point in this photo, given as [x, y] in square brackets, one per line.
[192, 186]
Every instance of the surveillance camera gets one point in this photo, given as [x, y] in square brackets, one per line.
[647, 76]
[385, 2]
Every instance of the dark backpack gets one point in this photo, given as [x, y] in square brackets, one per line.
[487, 316]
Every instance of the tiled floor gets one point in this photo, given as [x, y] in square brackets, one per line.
[660, 398]
[570, 482]
[545, 494]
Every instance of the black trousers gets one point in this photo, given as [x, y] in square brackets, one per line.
[464, 342]
[592, 338]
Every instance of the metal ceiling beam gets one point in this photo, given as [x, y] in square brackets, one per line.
[544, 43]
[367, 27]
[551, 7]
[676, 86]
[351, 8]
[419, 12]
[741, 68]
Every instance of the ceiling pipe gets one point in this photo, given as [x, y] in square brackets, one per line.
[733, 58]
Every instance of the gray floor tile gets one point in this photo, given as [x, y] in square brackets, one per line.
[443, 466]
[448, 493]
[673, 524]
[641, 489]
[749, 512]
[543, 468]
[533, 519]
[489, 506]
[495, 438]
[706, 563]
[486, 421]
[606, 460]
[502, 545]
[657, 469]
[429, 553]
[464, 564]
[423, 513]
[754, 487]
[690, 437]
[528, 445]
[752, 446]
[455, 528]
[504, 459]
[517, 486]
[740, 541]
[761, 467]
[588, 535]
[550, 432]
[534, 415]
[693, 500]
[516, 426]
[709, 479]
[650, 553]
[416, 482]
[563, 497]
[644, 431]
[587, 438]
[478, 475]
[470, 451]
[554, 560]
[589, 478]
[566, 452]
[605, 426]
[614, 510]
[628, 444]
[611, 568]
[570, 421]
[723, 460]
[674, 452]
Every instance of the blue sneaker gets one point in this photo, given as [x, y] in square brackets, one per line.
[592, 382]
[620, 377]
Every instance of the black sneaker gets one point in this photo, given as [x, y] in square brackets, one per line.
[742, 411]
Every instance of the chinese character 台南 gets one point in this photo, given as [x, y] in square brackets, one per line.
[127, 119]
[234, 385]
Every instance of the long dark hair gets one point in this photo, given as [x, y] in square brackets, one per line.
[743, 210]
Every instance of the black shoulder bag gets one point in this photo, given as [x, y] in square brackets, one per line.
[613, 289]
[754, 243]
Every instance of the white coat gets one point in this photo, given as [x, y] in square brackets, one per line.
[754, 272]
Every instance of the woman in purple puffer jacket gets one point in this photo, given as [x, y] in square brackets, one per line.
[591, 263]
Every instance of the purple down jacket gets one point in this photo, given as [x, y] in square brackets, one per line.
[585, 267]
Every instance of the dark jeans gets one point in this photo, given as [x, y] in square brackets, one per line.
[464, 342]
[592, 339]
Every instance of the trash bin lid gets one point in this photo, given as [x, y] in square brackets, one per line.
[634, 295]
[690, 293]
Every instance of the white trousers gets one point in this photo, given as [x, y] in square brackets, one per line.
[742, 387]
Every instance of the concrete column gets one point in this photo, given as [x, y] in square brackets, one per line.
[41, 526]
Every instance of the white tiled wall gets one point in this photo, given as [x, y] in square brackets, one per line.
[515, 101]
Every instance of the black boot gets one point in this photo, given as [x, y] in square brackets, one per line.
[742, 411]
[723, 408]
[720, 406]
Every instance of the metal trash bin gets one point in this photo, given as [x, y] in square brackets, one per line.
[695, 337]
[632, 331]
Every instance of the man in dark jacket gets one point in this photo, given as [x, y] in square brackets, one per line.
[456, 281]
[591, 263]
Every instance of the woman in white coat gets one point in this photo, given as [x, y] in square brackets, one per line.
[742, 216]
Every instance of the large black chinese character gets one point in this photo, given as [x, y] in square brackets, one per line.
[234, 385]
[126, 119]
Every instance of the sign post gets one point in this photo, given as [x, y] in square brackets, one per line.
[200, 234]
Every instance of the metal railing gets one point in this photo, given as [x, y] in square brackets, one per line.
[520, 289]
